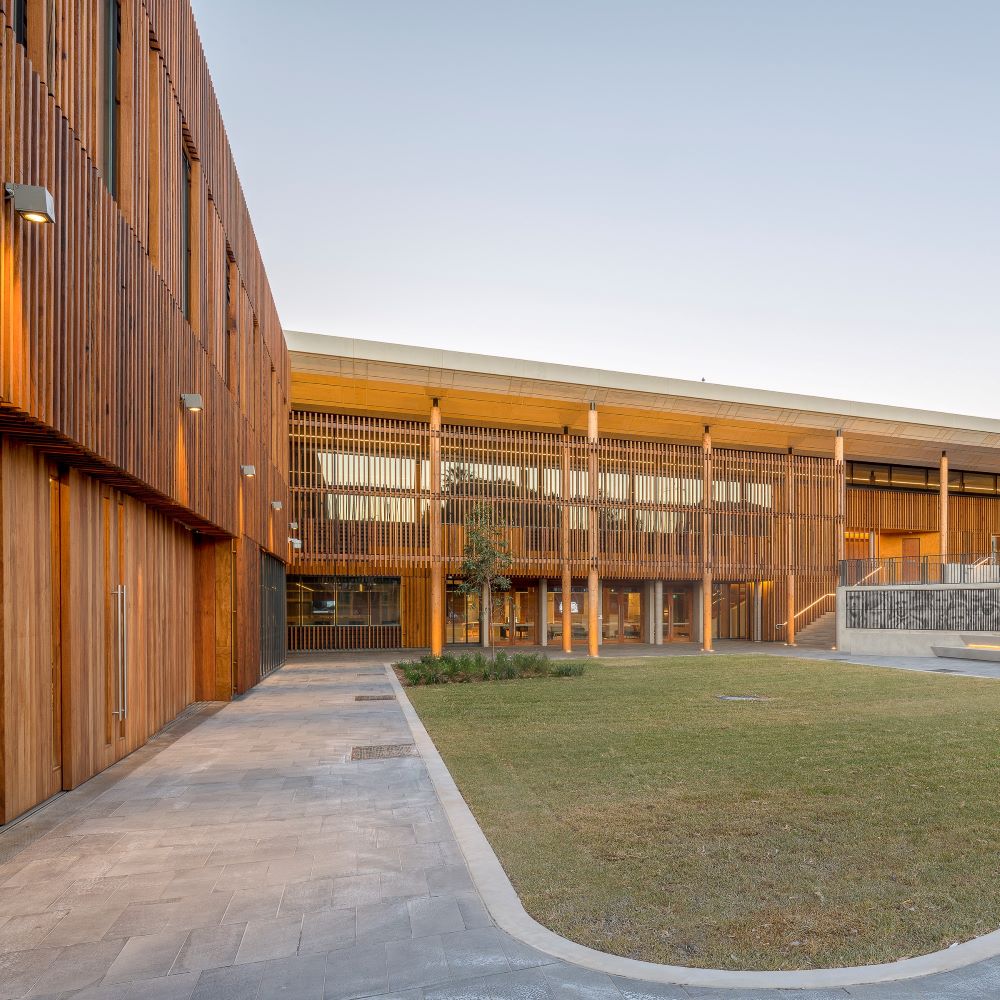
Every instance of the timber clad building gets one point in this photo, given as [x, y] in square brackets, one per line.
[638, 509]
[156, 490]
[142, 570]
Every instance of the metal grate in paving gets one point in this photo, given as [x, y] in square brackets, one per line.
[383, 751]
[944, 670]
[371, 673]
[374, 697]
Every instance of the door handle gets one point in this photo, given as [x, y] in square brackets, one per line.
[117, 711]
[124, 654]
[121, 652]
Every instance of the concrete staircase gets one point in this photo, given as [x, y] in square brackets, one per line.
[820, 634]
[975, 647]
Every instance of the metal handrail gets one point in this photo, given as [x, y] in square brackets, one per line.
[914, 570]
[805, 609]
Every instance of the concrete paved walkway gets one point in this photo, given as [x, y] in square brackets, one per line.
[251, 858]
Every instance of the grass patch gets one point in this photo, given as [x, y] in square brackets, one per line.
[850, 818]
[461, 668]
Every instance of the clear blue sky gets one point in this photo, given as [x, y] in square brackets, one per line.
[792, 194]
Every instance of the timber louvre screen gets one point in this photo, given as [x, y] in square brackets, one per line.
[273, 629]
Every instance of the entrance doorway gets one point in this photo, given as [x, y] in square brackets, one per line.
[678, 603]
[910, 562]
[622, 614]
[579, 602]
[515, 615]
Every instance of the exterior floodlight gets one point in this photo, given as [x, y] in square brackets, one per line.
[32, 203]
[296, 543]
[293, 525]
[276, 505]
[192, 401]
[248, 470]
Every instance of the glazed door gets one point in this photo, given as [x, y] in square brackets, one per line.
[611, 616]
[622, 614]
[677, 606]
[514, 617]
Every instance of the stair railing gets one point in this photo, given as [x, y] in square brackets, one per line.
[808, 607]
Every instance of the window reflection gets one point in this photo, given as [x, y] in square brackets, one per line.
[343, 601]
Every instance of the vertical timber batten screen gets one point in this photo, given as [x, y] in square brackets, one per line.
[362, 498]
[273, 627]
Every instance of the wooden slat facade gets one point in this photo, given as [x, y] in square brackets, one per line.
[149, 285]
[363, 500]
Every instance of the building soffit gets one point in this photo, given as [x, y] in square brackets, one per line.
[366, 376]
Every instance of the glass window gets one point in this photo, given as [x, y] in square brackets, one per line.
[343, 601]
[869, 475]
[112, 96]
[578, 612]
[979, 482]
[19, 19]
[905, 475]
[384, 602]
[352, 603]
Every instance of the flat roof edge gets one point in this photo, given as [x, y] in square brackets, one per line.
[482, 364]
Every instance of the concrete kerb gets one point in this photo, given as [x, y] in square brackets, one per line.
[504, 905]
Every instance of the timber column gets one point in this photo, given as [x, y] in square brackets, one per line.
[567, 576]
[943, 511]
[706, 541]
[840, 487]
[593, 591]
[437, 581]
[789, 546]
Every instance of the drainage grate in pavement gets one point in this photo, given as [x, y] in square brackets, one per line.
[944, 670]
[371, 673]
[384, 752]
[374, 697]
[741, 697]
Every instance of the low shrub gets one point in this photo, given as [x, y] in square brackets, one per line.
[460, 668]
[567, 670]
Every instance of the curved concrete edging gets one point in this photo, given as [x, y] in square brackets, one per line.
[504, 905]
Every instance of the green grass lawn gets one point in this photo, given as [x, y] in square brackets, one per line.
[851, 818]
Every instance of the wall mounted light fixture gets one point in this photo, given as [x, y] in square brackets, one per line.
[31, 202]
[248, 470]
[296, 543]
[192, 401]
[293, 525]
[276, 505]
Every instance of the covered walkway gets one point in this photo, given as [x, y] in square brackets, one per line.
[245, 854]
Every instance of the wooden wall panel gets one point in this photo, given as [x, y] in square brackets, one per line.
[973, 525]
[215, 621]
[32, 771]
[891, 510]
[97, 343]
[156, 560]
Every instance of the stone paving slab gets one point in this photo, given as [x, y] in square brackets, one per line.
[251, 858]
